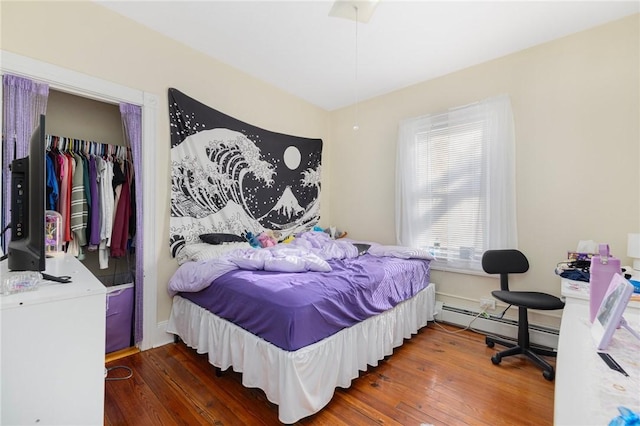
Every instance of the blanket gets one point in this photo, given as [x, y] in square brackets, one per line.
[310, 251]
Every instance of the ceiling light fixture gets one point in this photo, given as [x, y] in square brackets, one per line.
[358, 11]
[344, 9]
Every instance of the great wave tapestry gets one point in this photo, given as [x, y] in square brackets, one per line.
[228, 176]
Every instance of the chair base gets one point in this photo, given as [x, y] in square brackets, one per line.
[548, 372]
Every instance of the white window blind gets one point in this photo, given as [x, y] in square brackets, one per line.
[455, 183]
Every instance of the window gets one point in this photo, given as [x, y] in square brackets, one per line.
[455, 183]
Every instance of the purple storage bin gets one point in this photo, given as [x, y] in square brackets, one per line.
[119, 317]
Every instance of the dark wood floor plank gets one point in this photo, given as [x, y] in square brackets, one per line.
[437, 378]
[169, 386]
[196, 379]
[135, 399]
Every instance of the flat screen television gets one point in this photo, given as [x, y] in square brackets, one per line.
[26, 250]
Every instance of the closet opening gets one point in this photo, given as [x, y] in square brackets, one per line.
[148, 332]
[92, 131]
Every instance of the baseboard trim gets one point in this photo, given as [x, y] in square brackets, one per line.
[123, 353]
[161, 336]
[539, 335]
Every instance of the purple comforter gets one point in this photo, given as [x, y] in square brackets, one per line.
[293, 310]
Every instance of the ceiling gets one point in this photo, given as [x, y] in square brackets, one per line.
[298, 47]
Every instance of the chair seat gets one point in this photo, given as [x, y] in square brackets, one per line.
[529, 299]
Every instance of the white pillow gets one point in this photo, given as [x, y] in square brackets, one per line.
[202, 251]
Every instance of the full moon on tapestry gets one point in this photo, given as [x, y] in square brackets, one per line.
[228, 176]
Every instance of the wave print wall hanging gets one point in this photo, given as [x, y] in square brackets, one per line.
[228, 176]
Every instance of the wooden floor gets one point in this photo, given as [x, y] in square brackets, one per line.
[436, 378]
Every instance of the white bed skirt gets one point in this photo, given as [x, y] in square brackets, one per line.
[304, 381]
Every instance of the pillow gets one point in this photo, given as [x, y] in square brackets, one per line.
[401, 252]
[203, 251]
[362, 248]
[221, 238]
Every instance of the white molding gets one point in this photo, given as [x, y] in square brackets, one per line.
[161, 336]
[491, 326]
[149, 152]
[69, 81]
[76, 83]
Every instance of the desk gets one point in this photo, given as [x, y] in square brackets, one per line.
[587, 391]
[578, 291]
[52, 349]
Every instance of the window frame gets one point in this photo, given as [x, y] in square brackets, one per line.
[496, 161]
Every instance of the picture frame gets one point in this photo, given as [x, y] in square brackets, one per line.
[609, 316]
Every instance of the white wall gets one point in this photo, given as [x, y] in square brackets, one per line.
[575, 103]
[87, 38]
[76, 117]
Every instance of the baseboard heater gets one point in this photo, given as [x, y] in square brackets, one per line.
[507, 328]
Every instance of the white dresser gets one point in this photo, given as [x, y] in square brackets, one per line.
[52, 349]
[587, 391]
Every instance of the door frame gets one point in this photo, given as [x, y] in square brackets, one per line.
[76, 83]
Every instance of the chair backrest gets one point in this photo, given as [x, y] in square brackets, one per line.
[504, 262]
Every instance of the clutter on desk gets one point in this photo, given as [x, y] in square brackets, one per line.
[20, 282]
[577, 266]
[53, 241]
[578, 262]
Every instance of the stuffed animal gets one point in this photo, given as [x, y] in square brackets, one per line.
[333, 232]
[288, 239]
[253, 240]
[267, 240]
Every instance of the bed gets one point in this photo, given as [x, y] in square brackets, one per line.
[300, 319]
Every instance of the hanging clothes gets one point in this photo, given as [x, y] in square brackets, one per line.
[107, 201]
[89, 184]
[52, 185]
[63, 200]
[121, 218]
[79, 209]
[94, 226]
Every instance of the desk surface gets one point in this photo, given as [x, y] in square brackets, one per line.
[587, 391]
[83, 283]
[580, 290]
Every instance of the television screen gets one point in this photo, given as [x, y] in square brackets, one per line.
[26, 251]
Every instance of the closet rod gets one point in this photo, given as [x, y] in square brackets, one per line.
[88, 147]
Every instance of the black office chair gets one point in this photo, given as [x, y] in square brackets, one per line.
[505, 262]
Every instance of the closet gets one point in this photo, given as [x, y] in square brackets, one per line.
[75, 123]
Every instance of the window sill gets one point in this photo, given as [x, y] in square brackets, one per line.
[444, 268]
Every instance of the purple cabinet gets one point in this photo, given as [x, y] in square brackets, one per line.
[119, 317]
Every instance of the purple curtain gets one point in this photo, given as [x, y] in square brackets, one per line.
[23, 102]
[132, 123]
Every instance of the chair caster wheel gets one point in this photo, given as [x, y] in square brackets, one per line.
[490, 343]
[496, 359]
[549, 375]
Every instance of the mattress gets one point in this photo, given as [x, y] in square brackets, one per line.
[294, 310]
[300, 382]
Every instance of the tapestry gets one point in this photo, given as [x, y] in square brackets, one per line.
[230, 177]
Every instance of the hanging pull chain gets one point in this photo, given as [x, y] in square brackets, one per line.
[355, 124]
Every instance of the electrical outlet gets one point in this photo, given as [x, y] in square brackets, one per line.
[486, 303]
